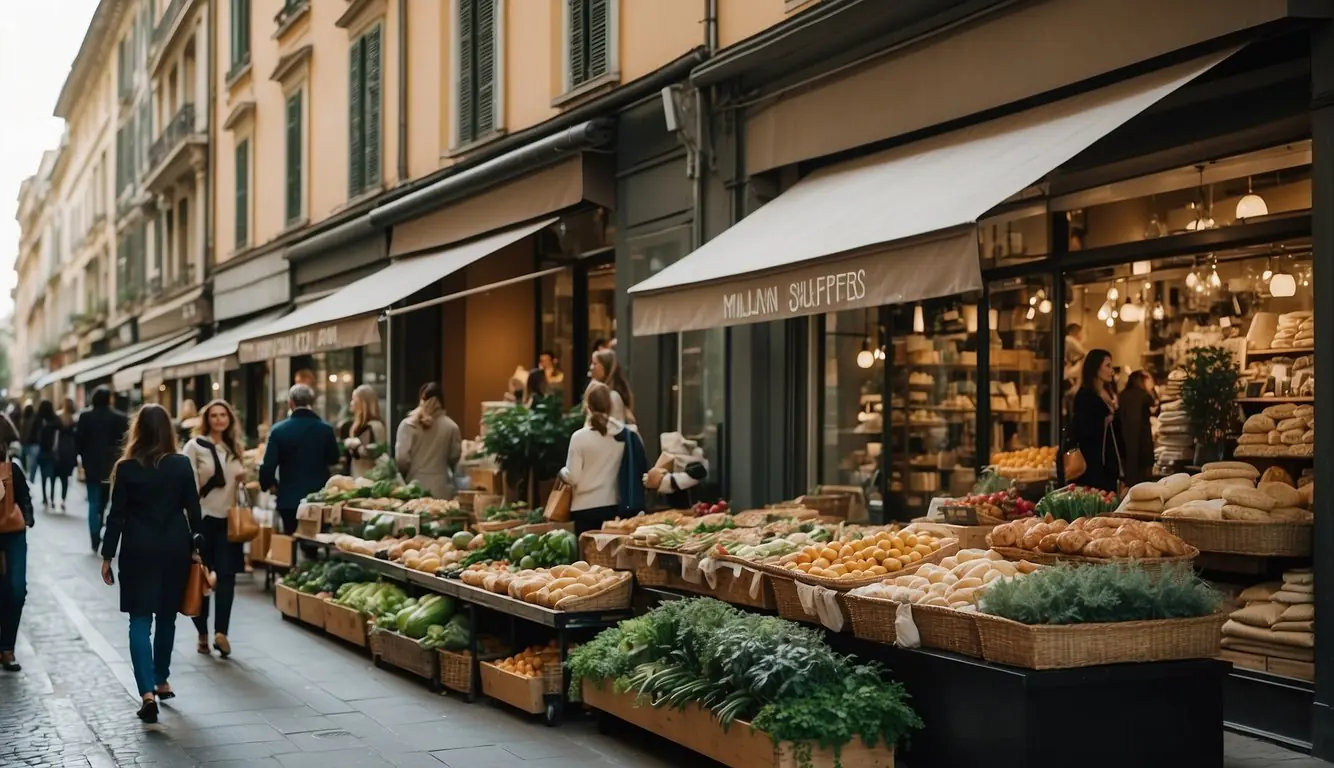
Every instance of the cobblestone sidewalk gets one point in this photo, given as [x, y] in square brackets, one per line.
[288, 697]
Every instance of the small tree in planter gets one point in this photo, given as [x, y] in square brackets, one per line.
[530, 443]
[1209, 397]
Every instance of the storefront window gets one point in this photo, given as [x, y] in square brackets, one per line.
[334, 374]
[1020, 367]
[374, 370]
[601, 303]
[557, 292]
[1014, 238]
[851, 447]
[702, 392]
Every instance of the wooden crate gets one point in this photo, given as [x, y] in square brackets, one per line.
[740, 746]
[259, 547]
[969, 536]
[522, 693]
[287, 600]
[403, 653]
[282, 551]
[310, 609]
[345, 623]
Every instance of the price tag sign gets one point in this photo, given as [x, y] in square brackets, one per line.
[959, 514]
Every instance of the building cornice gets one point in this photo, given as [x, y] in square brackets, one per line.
[105, 20]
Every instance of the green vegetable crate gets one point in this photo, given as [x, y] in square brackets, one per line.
[310, 609]
[288, 601]
[739, 746]
[345, 624]
[402, 652]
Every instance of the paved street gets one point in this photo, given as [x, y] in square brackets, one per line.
[288, 697]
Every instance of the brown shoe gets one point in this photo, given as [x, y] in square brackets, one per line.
[224, 647]
[201, 646]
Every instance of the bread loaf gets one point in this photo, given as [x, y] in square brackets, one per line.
[1291, 515]
[1246, 468]
[1175, 484]
[1258, 423]
[1146, 492]
[1276, 475]
[1186, 497]
[1289, 424]
[1280, 411]
[1253, 438]
[1249, 497]
[1284, 495]
[1244, 514]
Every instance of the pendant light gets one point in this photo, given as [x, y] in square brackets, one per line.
[1158, 312]
[865, 359]
[1282, 285]
[1269, 270]
[1215, 281]
[1044, 306]
[918, 320]
[1251, 205]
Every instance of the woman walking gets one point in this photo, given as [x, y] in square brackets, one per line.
[215, 455]
[593, 465]
[154, 512]
[1094, 426]
[66, 451]
[14, 567]
[48, 427]
[28, 439]
[367, 431]
[429, 444]
[605, 369]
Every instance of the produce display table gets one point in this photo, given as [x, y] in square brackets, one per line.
[1149, 715]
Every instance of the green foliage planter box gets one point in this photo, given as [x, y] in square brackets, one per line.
[739, 746]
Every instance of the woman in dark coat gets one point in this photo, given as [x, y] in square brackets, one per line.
[1094, 426]
[66, 451]
[154, 510]
[1135, 408]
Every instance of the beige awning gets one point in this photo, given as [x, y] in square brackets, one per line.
[129, 356]
[894, 227]
[215, 354]
[127, 379]
[350, 317]
[89, 363]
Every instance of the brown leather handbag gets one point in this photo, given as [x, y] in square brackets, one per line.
[11, 517]
[196, 589]
[558, 503]
[241, 525]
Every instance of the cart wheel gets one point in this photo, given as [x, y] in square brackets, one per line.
[552, 717]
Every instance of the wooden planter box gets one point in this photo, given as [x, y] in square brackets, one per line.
[345, 623]
[288, 600]
[403, 653]
[310, 609]
[522, 693]
[740, 746]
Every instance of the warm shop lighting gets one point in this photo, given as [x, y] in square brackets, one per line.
[1032, 313]
[1158, 312]
[216, 386]
[1111, 323]
[864, 358]
[1044, 306]
[1252, 205]
[970, 318]
[1141, 268]
[1282, 285]
[1104, 312]
[918, 320]
[1113, 294]
[333, 378]
[1192, 279]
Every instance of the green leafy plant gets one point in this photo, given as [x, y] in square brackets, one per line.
[530, 443]
[1100, 593]
[1209, 394]
[741, 666]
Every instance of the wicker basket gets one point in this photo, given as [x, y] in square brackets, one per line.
[605, 557]
[456, 667]
[1046, 646]
[1154, 565]
[403, 653]
[615, 598]
[1244, 538]
[648, 574]
[873, 618]
[948, 547]
[941, 628]
[789, 604]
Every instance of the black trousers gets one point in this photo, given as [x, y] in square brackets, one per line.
[592, 519]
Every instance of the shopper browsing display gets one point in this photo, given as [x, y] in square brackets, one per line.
[1094, 426]
[1135, 413]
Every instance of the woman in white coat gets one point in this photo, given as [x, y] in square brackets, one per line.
[215, 453]
[592, 468]
[429, 445]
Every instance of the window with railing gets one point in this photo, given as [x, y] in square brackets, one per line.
[173, 135]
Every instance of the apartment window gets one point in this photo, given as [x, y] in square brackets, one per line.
[590, 29]
[242, 194]
[294, 156]
[240, 29]
[478, 63]
[364, 105]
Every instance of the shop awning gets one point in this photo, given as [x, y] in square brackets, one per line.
[89, 363]
[34, 377]
[144, 350]
[211, 355]
[894, 227]
[126, 379]
[350, 317]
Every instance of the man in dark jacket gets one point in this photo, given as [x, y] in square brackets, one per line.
[99, 435]
[300, 451]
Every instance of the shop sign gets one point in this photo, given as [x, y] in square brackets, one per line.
[906, 272]
[199, 368]
[198, 311]
[342, 334]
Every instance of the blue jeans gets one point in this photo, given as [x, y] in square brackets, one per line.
[151, 658]
[96, 500]
[30, 453]
[13, 586]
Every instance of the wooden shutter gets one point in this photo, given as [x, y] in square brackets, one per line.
[599, 38]
[486, 66]
[356, 152]
[294, 156]
[577, 41]
[374, 90]
[467, 95]
[242, 194]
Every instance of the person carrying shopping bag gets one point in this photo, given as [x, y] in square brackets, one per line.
[593, 465]
[16, 517]
[154, 514]
[215, 456]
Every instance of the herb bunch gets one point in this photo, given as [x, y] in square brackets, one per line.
[739, 665]
[1100, 593]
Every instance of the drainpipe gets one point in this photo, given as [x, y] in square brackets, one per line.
[210, 209]
[402, 91]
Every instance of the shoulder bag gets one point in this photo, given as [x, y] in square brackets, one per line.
[11, 517]
[197, 580]
[1073, 465]
[241, 525]
[558, 503]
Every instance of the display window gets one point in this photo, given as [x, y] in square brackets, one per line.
[852, 403]
[1020, 323]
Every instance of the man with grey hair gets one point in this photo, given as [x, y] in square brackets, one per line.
[300, 451]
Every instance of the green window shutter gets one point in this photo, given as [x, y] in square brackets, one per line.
[578, 42]
[356, 150]
[242, 194]
[374, 107]
[294, 152]
[599, 38]
[467, 94]
[486, 66]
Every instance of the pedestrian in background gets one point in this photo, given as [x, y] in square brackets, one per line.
[154, 514]
[215, 454]
[429, 445]
[367, 430]
[14, 555]
[594, 462]
[48, 427]
[607, 370]
[66, 451]
[28, 439]
[297, 458]
[9, 433]
[98, 436]
[189, 419]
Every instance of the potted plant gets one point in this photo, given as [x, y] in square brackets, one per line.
[530, 443]
[1209, 397]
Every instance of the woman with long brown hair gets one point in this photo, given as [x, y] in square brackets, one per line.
[428, 445]
[215, 456]
[605, 369]
[594, 462]
[1093, 424]
[154, 516]
[368, 430]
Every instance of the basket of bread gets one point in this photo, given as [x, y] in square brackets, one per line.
[1232, 508]
[1282, 430]
[1090, 540]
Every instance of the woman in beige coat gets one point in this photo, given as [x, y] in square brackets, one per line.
[368, 431]
[429, 444]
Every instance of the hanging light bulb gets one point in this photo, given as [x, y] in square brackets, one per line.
[1130, 313]
[1192, 279]
[879, 353]
[864, 358]
[970, 318]
[1032, 313]
[1282, 285]
[1158, 312]
[1044, 306]
[1115, 314]
[1113, 294]
[1214, 280]
[1251, 205]
[918, 320]
[1111, 323]
[1104, 312]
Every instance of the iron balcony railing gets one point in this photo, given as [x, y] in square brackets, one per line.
[181, 126]
[289, 10]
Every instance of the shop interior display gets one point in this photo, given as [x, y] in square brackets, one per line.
[1274, 628]
[1285, 429]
